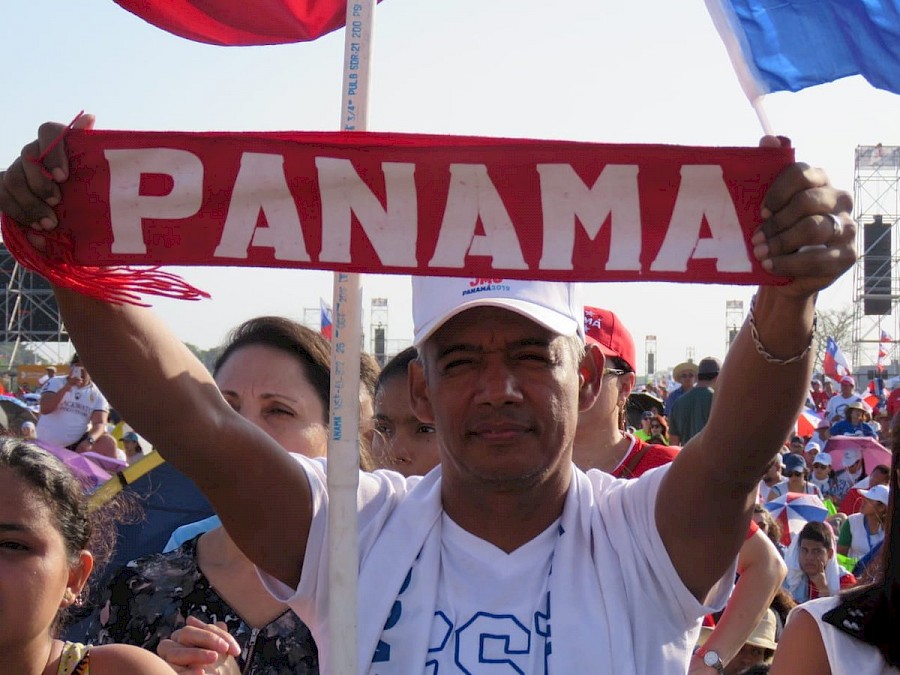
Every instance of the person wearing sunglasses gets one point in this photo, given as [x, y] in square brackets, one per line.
[685, 375]
[796, 478]
[644, 432]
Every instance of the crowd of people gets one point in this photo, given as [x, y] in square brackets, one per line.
[512, 480]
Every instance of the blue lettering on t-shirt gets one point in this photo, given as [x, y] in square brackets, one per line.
[498, 639]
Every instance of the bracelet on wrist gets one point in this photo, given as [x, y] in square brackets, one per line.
[760, 347]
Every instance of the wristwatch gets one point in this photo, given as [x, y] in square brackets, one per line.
[710, 658]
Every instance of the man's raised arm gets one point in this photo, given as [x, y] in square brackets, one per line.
[705, 501]
[156, 383]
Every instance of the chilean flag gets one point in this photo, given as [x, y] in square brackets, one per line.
[835, 363]
[788, 45]
[233, 23]
[883, 346]
[325, 319]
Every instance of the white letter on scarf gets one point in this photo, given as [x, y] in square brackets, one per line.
[703, 193]
[127, 206]
[261, 187]
[392, 231]
[614, 195]
[471, 196]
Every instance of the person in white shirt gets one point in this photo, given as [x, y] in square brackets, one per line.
[50, 372]
[834, 411]
[457, 569]
[74, 413]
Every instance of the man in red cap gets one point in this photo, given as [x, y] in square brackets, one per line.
[600, 440]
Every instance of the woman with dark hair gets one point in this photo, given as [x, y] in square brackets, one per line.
[855, 632]
[768, 526]
[659, 430]
[277, 374]
[46, 537]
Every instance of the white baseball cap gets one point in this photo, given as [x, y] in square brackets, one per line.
[556, 306]
[822, 458]
[878, 493]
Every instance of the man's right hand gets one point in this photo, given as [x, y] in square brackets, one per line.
[29, 188]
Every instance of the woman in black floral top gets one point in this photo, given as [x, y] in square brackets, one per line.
[151, 597]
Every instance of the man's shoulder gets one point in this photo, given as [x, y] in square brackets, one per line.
[53, 385]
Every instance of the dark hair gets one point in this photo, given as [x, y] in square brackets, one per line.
[369, 373]
[661, 420]
[80, 527]
[773, 527]
[397, 366]
[56, 486]
[310, 349]
[882, 469]
[817, 532]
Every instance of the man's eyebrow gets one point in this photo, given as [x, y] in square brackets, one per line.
[457, 347]
[14, 527]
[514, 344]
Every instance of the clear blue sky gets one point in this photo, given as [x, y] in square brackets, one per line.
[647, 71]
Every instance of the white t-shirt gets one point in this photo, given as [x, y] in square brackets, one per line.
[861, 540]
[836, 405]
[845, 653]
[434, 598]
[72, 416]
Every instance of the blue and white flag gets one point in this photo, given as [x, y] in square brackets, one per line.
[788, 45]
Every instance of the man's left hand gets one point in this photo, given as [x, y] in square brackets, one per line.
[807, 234]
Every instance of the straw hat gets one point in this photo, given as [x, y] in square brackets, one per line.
[682, 367]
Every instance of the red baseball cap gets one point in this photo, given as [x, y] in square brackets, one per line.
[605, 329]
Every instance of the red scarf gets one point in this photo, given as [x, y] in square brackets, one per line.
[400, 203]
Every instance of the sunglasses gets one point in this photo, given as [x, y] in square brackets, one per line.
[614, 371]
[797, 473]
[656, 425]
[821, 466]
[647, 416]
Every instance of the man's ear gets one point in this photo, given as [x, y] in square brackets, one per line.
[419, 400]
[590, 376]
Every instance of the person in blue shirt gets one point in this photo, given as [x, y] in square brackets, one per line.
[853, 423]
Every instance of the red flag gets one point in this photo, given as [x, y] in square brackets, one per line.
[238, 22]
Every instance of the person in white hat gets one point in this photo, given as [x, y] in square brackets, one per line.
[852, 472]
[758, 649]
[863, 530]
[506, 554]
[822, 475]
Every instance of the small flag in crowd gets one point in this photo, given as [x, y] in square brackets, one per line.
[883, 347]
[835, 363]
[793, 44]
[325, 320]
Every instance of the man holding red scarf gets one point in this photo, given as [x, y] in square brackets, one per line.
[503, 382]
